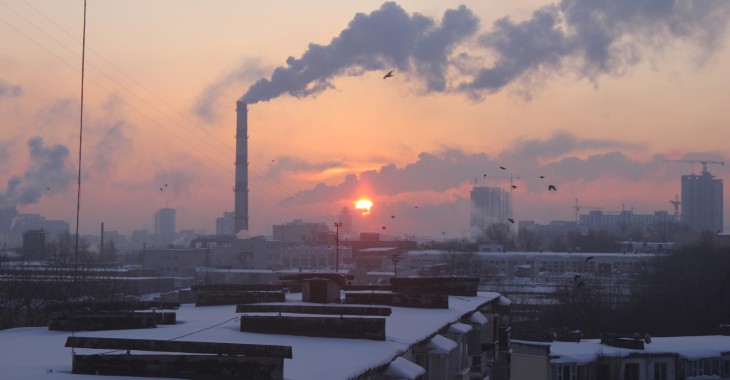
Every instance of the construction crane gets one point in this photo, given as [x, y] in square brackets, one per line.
[676, 204]
[579, 207]
[703, 162]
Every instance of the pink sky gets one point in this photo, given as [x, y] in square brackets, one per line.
[525, 86]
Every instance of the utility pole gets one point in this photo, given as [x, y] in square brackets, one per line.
[337, 246]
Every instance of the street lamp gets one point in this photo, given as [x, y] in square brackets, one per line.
[337, 246]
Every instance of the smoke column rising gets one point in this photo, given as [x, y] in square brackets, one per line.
[592, 38]
[48, 169]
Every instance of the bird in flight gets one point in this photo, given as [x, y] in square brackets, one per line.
[388, 75]
[542, 176]
[589, 258]
[552, 188]
[514, 186]
[392, 216]
[383, 227]
[503, 168]
[511, 220]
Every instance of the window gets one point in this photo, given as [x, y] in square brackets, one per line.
[631, 371]
[660, 371]
[566, 372]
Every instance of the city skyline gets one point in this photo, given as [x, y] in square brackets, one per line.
[598, 121]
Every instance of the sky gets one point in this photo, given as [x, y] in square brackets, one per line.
[609, 100]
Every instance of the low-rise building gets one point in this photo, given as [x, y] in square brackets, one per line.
[662, 358]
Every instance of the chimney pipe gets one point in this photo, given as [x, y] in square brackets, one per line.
[240, 221]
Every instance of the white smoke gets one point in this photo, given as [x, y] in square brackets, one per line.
[586, 37]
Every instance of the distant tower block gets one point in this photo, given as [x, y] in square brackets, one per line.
[240, 221]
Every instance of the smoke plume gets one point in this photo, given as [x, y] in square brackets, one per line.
[48, 170]
[585, 37]
[9, 90]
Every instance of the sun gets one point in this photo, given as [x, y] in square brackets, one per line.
[364, 206]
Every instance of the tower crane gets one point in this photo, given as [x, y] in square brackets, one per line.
[676, 204]
[578, 207]
[703, 162]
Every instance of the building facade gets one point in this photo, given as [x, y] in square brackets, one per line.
[164, 222]
[490, 205]
[702, 203]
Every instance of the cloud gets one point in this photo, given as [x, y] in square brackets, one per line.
[561, 143]
[584, 37]
[290, 164]
[450, 169]
[9, 90]
[48, 169]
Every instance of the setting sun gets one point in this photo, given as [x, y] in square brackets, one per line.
[364, 206]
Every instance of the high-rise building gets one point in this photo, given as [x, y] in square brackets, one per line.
[702, 205]
[164, 222]
[346, 219]
[224, 224]
[490, 205]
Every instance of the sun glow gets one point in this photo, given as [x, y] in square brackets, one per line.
[364, 206]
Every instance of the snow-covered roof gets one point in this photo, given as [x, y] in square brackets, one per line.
[440, 345]
[28, 353]
[401, 368]
[688, 347]
[478, 318]
[460, 328]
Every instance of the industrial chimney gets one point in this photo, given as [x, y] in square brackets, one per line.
[240, 219]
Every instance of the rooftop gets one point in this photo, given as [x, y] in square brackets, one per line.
[29, 353]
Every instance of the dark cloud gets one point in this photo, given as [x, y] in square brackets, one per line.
[290, 164]
[48, 168]
[587, 38]
[450, 169]
[9, 90]
[561, 143]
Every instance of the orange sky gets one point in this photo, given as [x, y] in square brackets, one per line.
[162, 79]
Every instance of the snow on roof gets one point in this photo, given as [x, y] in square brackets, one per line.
[478, 318]
[504, 301]
[687, 347]
[401, 368]
[28, 353]
[440, 345]
[460, 328]
[378, 249]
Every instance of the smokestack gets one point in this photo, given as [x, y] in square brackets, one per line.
[240, 219]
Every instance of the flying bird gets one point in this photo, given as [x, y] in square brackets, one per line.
[542, 176]
[514, 186]
[485, 176]
[589, 258]
[161, 189]
[392, 216]
[552, 188]
[511, 220]
[503, 168]
[388, 75]
[383, 227]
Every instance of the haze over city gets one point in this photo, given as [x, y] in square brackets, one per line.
[596, 97]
